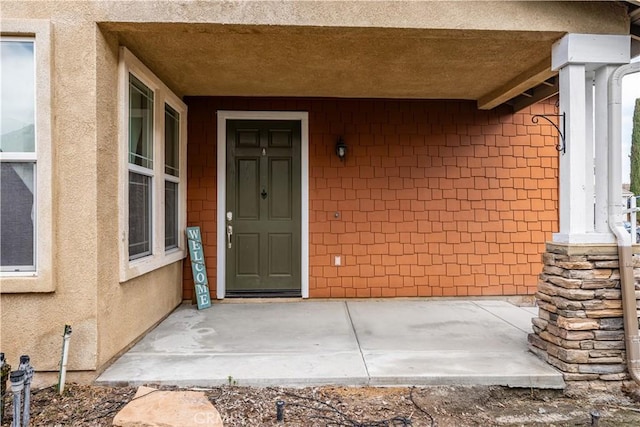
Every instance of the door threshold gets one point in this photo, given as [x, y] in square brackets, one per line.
[259, 300]
[263, 294]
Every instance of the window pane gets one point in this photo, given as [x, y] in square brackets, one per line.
[170, 215]
[17, 96]
[140, 123]
[17, 216]
[171, 140]
[139, 215]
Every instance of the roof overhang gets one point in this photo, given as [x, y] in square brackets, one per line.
[491, 58]
[235, 60]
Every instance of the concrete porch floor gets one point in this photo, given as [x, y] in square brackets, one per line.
[352, 342]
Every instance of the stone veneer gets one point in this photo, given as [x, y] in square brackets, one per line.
[579, 328]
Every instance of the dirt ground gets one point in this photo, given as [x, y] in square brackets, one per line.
[357, 406]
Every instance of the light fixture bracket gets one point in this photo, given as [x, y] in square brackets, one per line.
[562, 145]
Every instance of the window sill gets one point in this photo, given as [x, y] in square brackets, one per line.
[24, 283]
[148, 264]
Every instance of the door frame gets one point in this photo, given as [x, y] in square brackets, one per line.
[303, 118]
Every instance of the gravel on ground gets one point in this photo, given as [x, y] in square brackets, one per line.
[444, 406]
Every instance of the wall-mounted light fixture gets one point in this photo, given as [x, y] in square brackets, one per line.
[341, 149]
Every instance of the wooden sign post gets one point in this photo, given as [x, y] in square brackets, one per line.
[196, 252]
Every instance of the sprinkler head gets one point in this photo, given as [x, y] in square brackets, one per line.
[280, 410]
[17, 380]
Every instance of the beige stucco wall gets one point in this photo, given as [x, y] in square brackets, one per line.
[107, 315]
[33, 323]
[125, 310]
[586, 17]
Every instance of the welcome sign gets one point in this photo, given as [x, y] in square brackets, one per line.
[196, 252]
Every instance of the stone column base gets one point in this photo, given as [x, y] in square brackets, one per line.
[579, 327]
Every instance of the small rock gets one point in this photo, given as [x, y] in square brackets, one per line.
[154, 408]
[632, 390]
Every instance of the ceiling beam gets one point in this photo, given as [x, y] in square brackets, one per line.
[540, 93]
[550, 82]
[528, 79]
[634, 17]
[635, 47]
[634, 9]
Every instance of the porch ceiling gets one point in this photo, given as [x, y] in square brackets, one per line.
[236, 60]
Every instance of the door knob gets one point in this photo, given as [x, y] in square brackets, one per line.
[263, 194]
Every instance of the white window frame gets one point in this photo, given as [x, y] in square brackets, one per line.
[40, 280]
[172, 178]
[159, 257]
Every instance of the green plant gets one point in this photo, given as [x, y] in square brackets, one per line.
[635, 150]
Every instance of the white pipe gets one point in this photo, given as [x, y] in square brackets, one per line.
[63, 361]
[627, 282]
[17, 386]
[601, 149]
[589, 184]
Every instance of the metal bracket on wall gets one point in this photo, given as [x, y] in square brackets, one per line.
[562, 146]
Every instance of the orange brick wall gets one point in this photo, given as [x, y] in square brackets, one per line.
[435, 198]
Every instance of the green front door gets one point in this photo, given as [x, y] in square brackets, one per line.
[263, 207]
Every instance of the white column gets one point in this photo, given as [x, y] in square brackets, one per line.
[589, 188]
[601, 153]
[572, 162]
[576, 56]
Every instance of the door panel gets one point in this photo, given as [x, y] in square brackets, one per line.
[263, 196]
[280, 138]
[280, 181]
[248, 138]
[249, 246]
[247, 188]
[280, 255]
